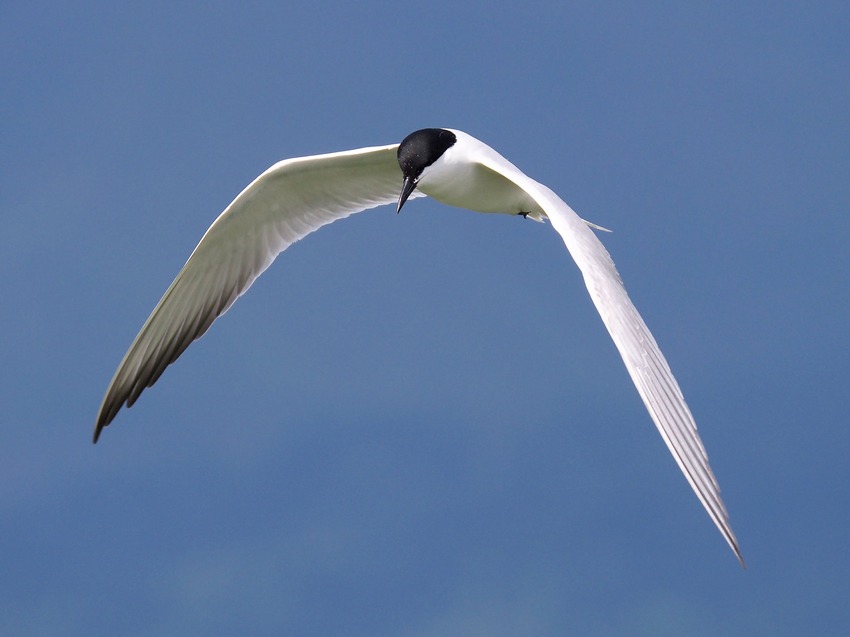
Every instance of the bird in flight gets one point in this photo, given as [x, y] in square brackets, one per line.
[298, 196]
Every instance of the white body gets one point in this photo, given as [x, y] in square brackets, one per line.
[472, 175]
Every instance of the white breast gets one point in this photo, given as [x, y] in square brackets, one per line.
[459, 178]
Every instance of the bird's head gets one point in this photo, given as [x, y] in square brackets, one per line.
[416, 152]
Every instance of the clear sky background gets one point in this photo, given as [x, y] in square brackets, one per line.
[416, 425]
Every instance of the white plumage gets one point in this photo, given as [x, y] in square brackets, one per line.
[298, 196]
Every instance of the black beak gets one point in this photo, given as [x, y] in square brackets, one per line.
[408, 187]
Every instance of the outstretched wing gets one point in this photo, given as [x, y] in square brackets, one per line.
[643, 359]
[284, 204]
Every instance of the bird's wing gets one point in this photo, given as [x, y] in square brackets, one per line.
[643, 359]
[284, 204]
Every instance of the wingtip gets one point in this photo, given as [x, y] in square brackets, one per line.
[103, 420]
[740, 557]
[732, 541]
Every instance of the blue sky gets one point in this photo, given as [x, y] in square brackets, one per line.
[416, 425]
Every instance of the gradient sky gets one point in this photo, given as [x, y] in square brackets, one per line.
[416, 425]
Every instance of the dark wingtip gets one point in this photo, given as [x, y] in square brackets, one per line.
[97, 429]
[103, 419]
[740, 558]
